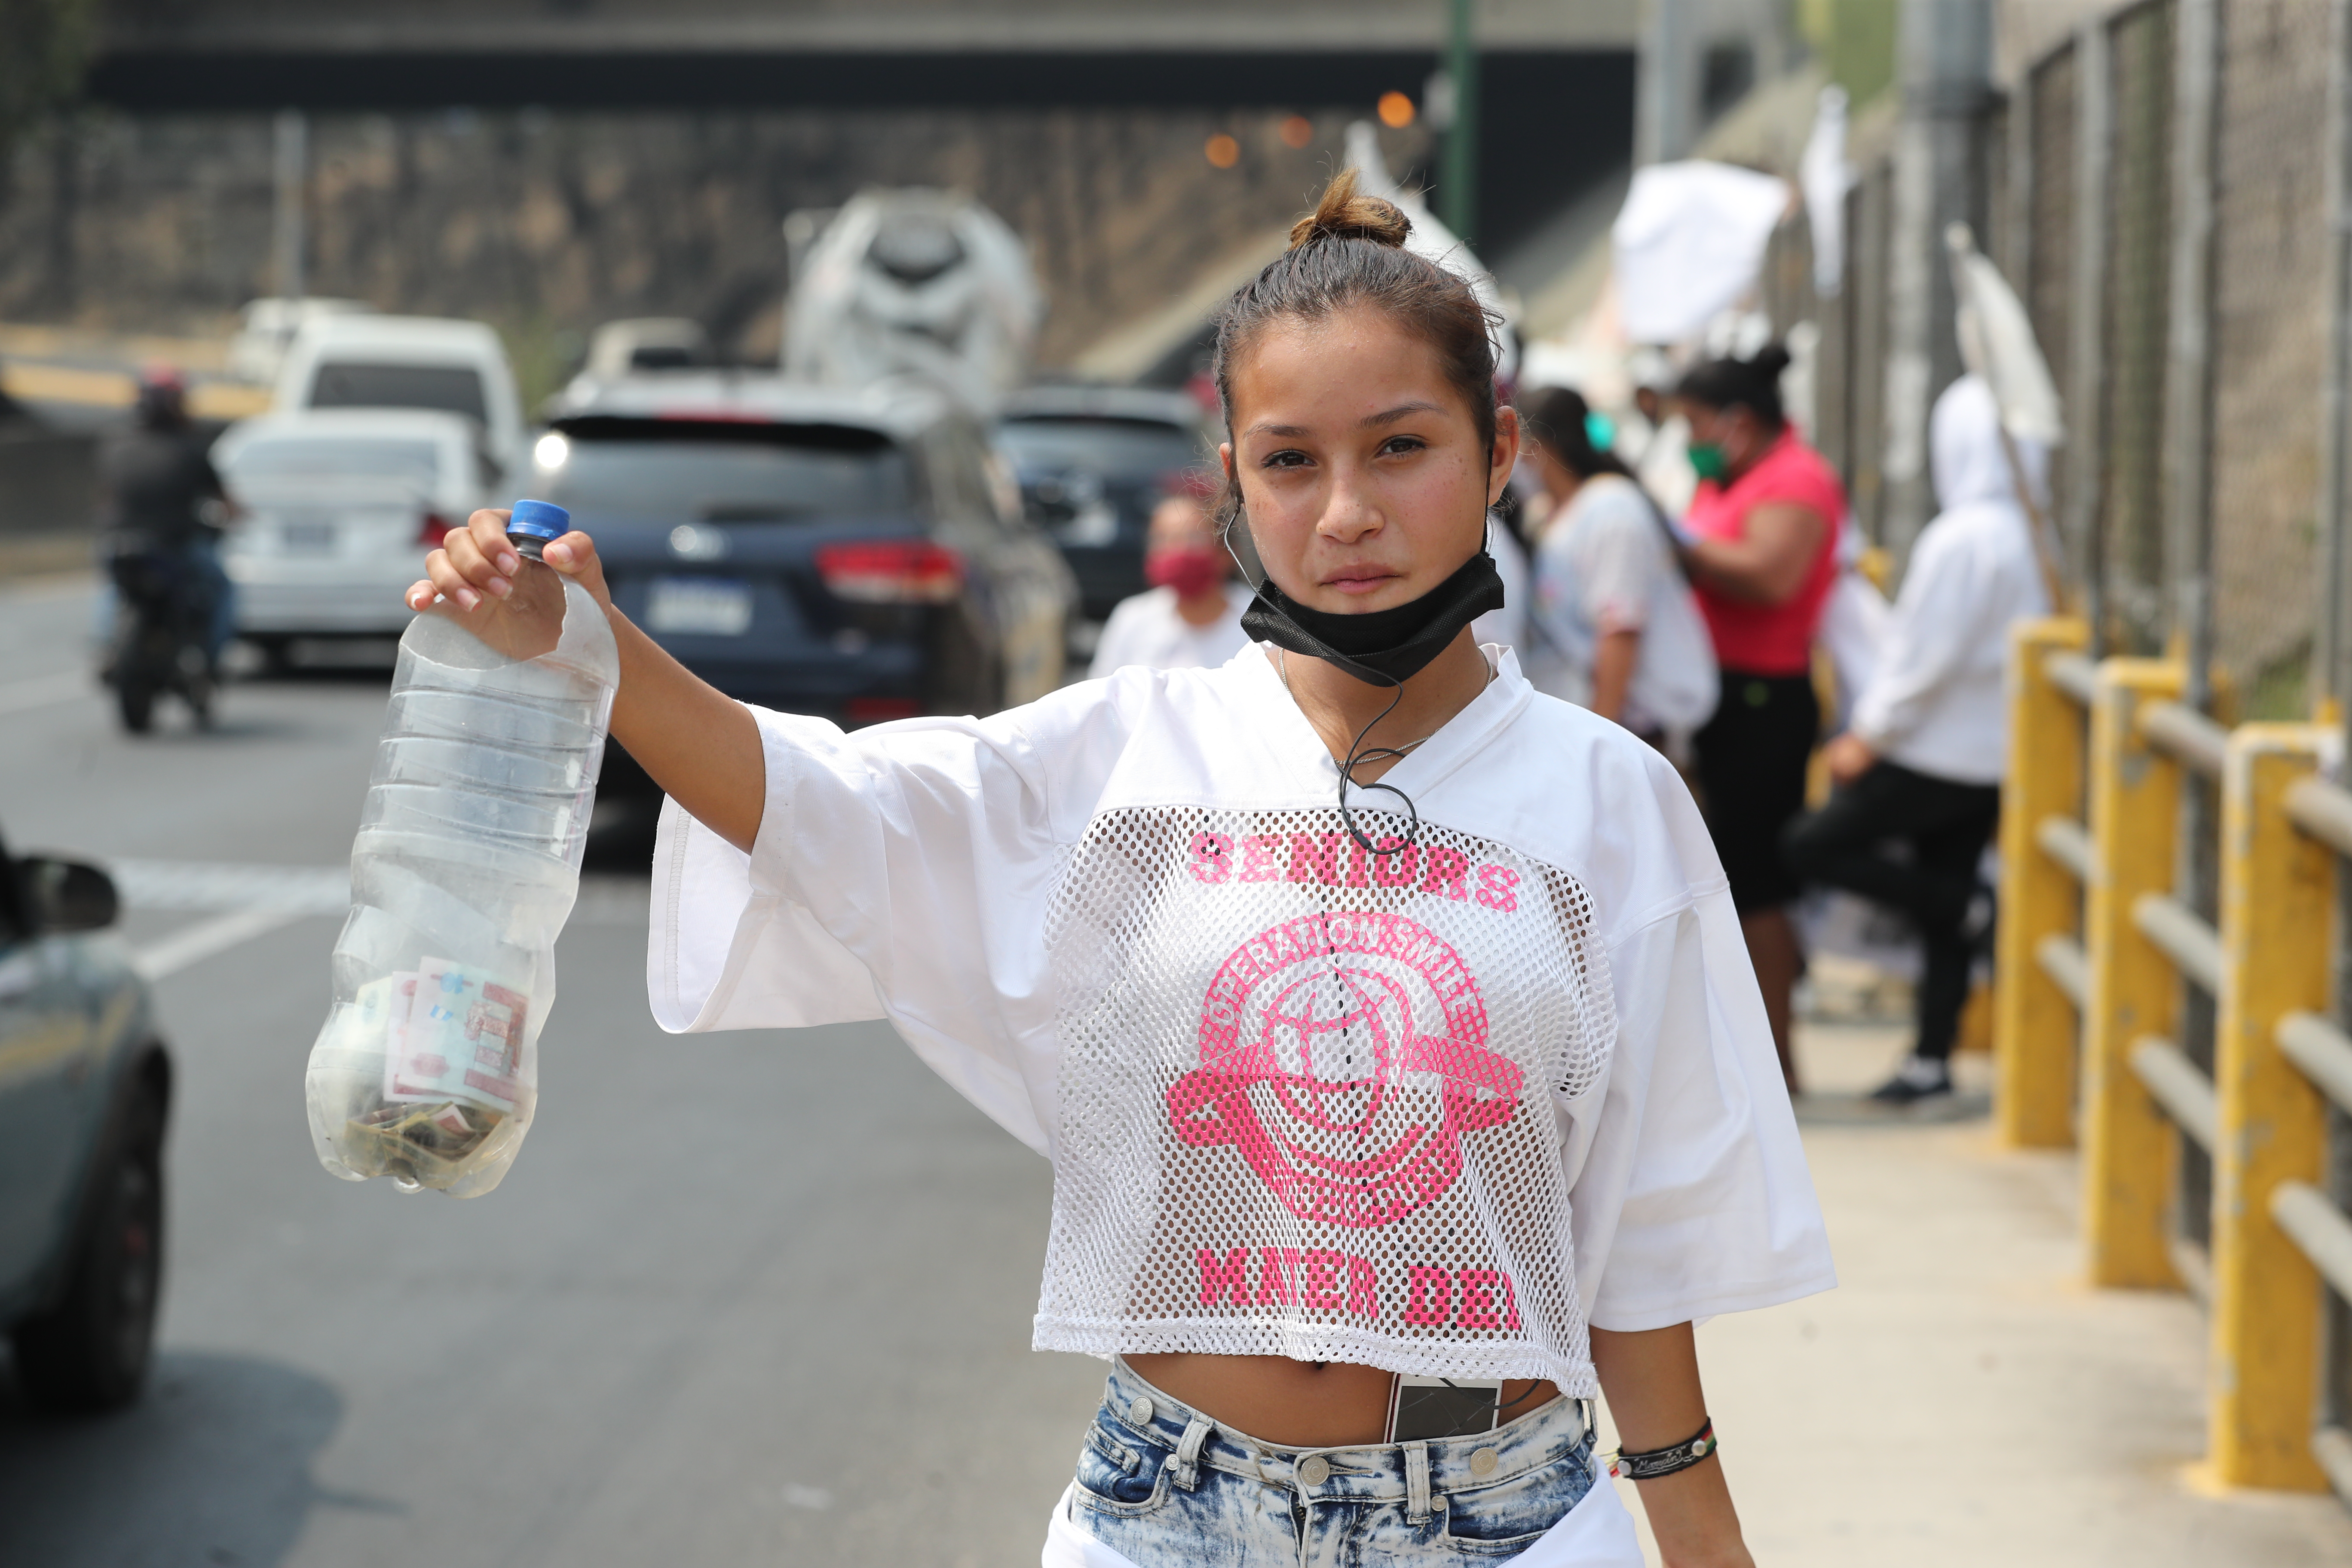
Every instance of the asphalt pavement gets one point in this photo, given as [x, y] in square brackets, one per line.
[746, 1297]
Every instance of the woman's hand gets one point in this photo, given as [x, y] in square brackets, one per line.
[1848, 756]
[478, 579]
[702, 746]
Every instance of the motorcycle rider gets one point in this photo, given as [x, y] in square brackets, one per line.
[160, 498]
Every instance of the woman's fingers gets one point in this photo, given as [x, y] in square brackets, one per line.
[571, 554]
[481, 553]
[449, 581]
[574, 555]
[420, 593]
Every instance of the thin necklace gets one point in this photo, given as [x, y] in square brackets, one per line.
[1376, 754]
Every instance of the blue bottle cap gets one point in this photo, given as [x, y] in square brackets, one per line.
[539, 519]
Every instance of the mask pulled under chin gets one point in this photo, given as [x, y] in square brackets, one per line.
[1380, 648]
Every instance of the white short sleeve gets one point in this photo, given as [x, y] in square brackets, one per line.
[1617, 559]
[1693, 1198]
[900, 871]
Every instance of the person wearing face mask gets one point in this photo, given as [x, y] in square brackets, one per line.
[1922, 760]
[1761, 552]
[1386, 1021]
[1616, 629]
[1191, 616]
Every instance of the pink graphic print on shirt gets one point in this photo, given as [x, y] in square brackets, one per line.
[1314, 1067]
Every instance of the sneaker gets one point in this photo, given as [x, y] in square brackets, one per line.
[1975, 925]
[1918, 1079]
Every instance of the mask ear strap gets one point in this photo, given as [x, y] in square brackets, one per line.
[1226, 528]
[1358, 753]
[1226, 538]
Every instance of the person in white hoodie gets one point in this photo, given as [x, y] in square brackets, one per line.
[1920, 764]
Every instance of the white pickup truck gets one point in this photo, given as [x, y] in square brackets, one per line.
[411, 361]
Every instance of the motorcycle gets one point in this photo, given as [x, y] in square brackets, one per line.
[160, 628]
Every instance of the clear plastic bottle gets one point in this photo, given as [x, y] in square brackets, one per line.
[466, 867]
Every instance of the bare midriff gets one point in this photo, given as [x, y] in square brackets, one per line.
[1299, 1403]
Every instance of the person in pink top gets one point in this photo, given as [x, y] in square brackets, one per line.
[1762, 556]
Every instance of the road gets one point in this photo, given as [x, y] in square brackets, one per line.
[747, 1298]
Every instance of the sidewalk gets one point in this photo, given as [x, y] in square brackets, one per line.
[1963, 1397]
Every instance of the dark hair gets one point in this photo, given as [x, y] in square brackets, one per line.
[1351, 251]
[1556, 417]
[1750, 384]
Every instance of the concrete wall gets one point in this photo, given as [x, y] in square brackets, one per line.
[548, 223]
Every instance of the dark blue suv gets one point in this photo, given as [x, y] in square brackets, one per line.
[858, 554]
[1093, 462]
[85, 1087]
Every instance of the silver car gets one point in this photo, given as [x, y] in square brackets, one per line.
[335, 509]
[85, 1089]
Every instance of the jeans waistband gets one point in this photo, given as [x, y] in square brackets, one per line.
[1372, 1471]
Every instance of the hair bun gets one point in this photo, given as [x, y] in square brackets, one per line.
[1343, 214]
[1770, 360]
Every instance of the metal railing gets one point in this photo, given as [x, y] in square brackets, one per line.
[2095, 955]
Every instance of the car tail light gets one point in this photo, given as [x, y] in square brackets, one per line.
[432, 529]
[891, 572]
[881, 709]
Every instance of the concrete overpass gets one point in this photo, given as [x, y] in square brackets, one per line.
[240, 54]
[1558, 75]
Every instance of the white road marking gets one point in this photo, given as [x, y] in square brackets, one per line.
[214, 885]
[18, 697]
[194, 944]
[258, 898]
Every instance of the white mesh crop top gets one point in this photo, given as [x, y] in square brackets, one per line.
[1434, 1109]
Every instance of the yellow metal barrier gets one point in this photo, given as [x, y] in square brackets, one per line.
[2277, 1237]
[2278, 897]
[2035, 1022]
[2128, 1148]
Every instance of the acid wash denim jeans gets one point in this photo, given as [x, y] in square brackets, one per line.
[1163, 1485]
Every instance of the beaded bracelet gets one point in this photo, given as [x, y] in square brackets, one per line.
[1665, 1461]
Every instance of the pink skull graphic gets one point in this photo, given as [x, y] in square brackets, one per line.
[1313, 1066]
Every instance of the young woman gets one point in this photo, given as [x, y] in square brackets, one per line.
[1766, 514]
[1455, 1072]
[1617, 630]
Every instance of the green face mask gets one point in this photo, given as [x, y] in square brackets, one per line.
[1706, 459]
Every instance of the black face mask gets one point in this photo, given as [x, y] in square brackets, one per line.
[1380, 648]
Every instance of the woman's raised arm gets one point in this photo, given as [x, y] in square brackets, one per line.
[701, 747]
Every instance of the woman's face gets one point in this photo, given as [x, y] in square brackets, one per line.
[1365, 481]
[1735, 432]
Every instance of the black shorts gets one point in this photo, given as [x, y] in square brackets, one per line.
[1751, 774]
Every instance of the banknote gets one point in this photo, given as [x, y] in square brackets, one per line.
[451, 1033]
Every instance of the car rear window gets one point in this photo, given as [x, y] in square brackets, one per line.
[1097, 446]
[724, 470]
[452, 389]
[417, 463]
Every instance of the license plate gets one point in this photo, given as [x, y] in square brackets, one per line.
[310, 538]
[707, 607]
